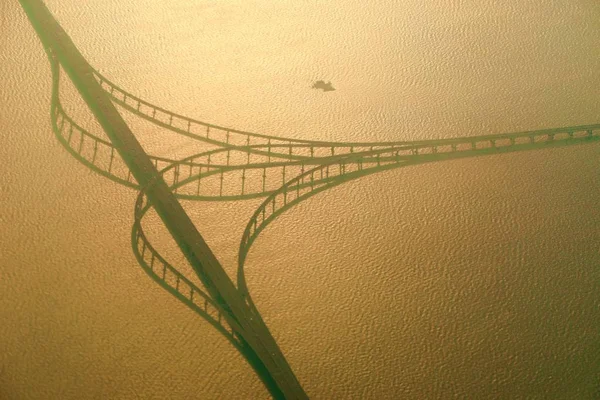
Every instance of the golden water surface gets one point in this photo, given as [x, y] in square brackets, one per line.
[475, 278]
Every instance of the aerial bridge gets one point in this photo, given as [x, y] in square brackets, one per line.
[240, 165]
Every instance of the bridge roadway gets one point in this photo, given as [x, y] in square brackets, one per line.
[258, 343]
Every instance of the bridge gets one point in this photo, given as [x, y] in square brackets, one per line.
[240, 165]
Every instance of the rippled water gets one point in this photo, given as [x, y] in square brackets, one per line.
[473, 278]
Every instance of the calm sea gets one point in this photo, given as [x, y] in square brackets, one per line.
[473, 279]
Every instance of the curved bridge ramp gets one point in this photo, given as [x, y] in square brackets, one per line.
[167, 276]
[228, 137]
[327, 175]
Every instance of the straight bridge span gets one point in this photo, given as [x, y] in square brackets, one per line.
[245, 165]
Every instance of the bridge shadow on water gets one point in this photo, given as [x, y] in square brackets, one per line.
[284, 172]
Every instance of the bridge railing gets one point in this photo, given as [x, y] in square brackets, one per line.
[277, 146]
[91, 150]
[261, 179]
[243, 138]
[305, 185]
[167, 276]
[324, 176]
[346, 168]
